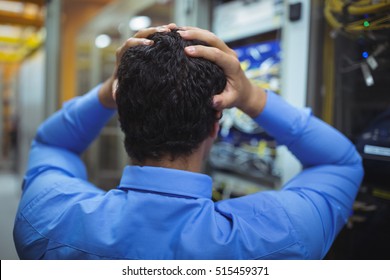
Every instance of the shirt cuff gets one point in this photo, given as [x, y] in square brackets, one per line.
[282, 120]
[92, 108]
[77, 124]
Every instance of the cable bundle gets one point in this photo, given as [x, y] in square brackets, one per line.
[358, 16]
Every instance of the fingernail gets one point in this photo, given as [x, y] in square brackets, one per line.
[162, 29]
[147, 42]
[181, 32]
[190, 49]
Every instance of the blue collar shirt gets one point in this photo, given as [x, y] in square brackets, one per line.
[160, 213]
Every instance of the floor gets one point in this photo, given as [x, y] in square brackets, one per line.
[9, 199]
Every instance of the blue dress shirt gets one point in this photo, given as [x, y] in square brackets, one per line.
[159, 213]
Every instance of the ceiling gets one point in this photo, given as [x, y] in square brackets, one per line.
[21, 28]
[22, 22]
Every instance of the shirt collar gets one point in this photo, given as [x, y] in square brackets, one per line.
[166, 181]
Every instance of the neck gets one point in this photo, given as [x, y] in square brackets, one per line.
[193, 162]
[179, 163]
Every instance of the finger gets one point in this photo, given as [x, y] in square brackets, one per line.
[218, 102]
[227, 62]
[172, 26]
[143, 33]
[190, 28]
[191, 33]
[226, 99]
[140, 37]
[205, 36]
[131, 42]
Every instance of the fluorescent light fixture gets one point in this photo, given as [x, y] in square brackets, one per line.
[139, 22]
[102, 41]
[14, 7]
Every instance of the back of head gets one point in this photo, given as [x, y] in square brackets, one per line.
[164, 98]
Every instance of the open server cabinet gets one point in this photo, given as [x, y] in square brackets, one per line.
[243, 159]
[271, 39]
[357, 102]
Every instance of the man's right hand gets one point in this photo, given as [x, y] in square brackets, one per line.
[239, 91]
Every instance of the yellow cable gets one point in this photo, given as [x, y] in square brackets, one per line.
[337, 6]
[331, 19]
[380, 27]
[357, 26]
[328, 78]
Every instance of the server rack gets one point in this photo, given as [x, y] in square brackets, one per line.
[358, 48]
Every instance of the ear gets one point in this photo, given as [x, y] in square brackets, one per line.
[216, 126]
[215, 130]
[114, 88]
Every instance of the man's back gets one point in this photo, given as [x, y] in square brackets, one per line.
[136, 222]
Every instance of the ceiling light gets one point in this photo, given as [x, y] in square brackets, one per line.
[139, 22]
[11, 6]
[102, 41]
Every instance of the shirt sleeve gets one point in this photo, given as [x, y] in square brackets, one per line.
[78, 123]
[318, 201]
[63, 137]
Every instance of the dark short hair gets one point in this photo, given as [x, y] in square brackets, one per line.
[164, 97]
